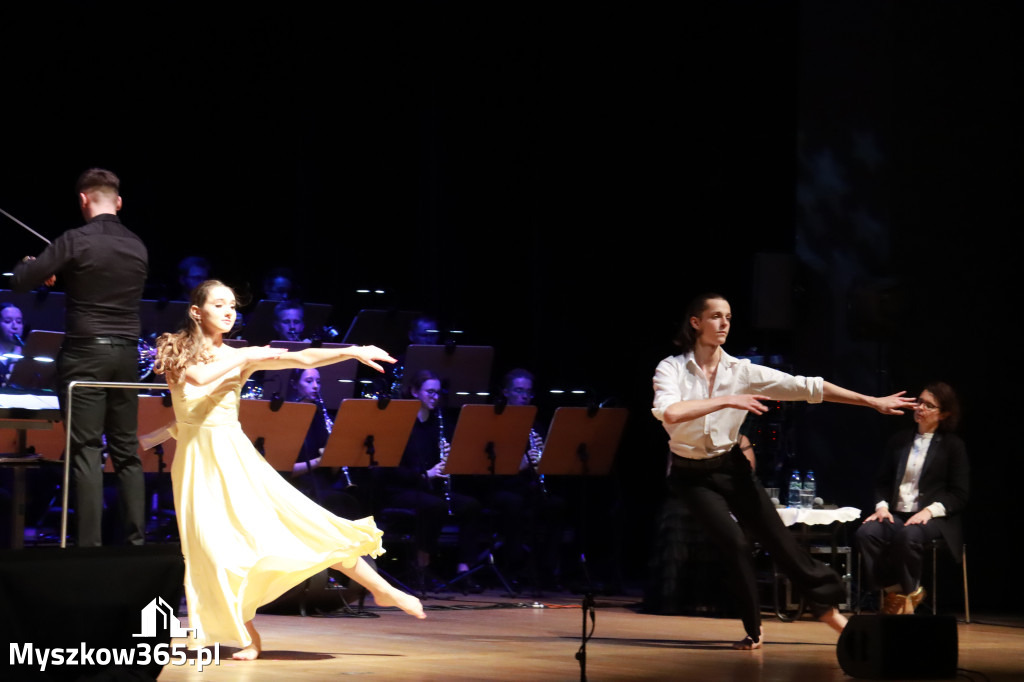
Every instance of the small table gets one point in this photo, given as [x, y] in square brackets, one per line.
[22, 410]
[831, 521]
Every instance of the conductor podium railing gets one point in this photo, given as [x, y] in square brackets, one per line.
[69, 412]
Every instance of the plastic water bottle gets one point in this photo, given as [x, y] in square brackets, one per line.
[795, 486]
[809, 491]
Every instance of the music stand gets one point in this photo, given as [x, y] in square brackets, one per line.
[481, 433]
[371, 433]
[388, 329]
[157, 317]
[24, 413]
[43, 309]
[277, 433]
[582, 442]
[259, 323]
[37, 369]
[465, 371]
[484, 431]
[337, 380]
[154, 413]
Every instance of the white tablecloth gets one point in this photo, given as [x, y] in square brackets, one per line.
[818, 517]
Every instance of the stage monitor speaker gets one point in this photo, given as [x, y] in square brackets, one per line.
[86, 599]
[899, 647]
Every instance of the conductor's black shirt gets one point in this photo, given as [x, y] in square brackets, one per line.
[102, 267]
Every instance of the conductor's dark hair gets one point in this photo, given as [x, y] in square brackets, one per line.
[98, 179]
[948, 403]
[686, 337]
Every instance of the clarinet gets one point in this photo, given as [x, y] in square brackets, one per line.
[329, 425]
[442, 444]
[537, 445]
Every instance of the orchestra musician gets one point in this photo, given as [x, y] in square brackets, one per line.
[529, 514]
[12, 327]
[333, 490]
[419, 483]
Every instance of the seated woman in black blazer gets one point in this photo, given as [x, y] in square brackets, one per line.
[921, 488]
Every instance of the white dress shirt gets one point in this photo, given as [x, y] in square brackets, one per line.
[910, 486]
[679, 378]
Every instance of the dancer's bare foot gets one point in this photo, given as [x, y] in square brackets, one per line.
[402, 600]
[833, 619]
[251, 652]
[749, 644]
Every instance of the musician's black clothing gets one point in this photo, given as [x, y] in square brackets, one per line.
[408, 488]
[102, 267]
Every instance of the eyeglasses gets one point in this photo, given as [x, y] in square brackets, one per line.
[925, 405]
[433, 392]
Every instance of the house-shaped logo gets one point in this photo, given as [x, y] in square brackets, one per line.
[158, 616]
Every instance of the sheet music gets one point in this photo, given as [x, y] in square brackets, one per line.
[28, 401]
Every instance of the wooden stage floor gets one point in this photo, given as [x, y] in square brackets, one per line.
[489, 637]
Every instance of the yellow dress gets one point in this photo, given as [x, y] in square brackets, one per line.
[247, 535]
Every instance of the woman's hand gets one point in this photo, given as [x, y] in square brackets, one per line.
[436, 471]
[370, 356]
[893, 404]
[922, 517]
[881, 515]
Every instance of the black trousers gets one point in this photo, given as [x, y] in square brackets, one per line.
[892, 553]
[98, 412]
[715, 491]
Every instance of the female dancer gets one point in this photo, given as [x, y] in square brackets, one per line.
[921, 488]
[701, 398]
[246, 534]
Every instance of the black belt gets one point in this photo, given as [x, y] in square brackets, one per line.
[101, 341]
[706, 464]
[688, 464]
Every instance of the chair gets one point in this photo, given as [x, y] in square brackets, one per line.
[936, 546]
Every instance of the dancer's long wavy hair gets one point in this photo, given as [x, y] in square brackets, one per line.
[178, 351]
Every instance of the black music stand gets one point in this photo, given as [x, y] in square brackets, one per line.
[388, 329]
[582, 441]
[157, 317]
[337, 380]
[465, 371]
[37, 369]
[259, 323]
[489, 440]
[370, 433]
[43, 308]
[277, 429]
